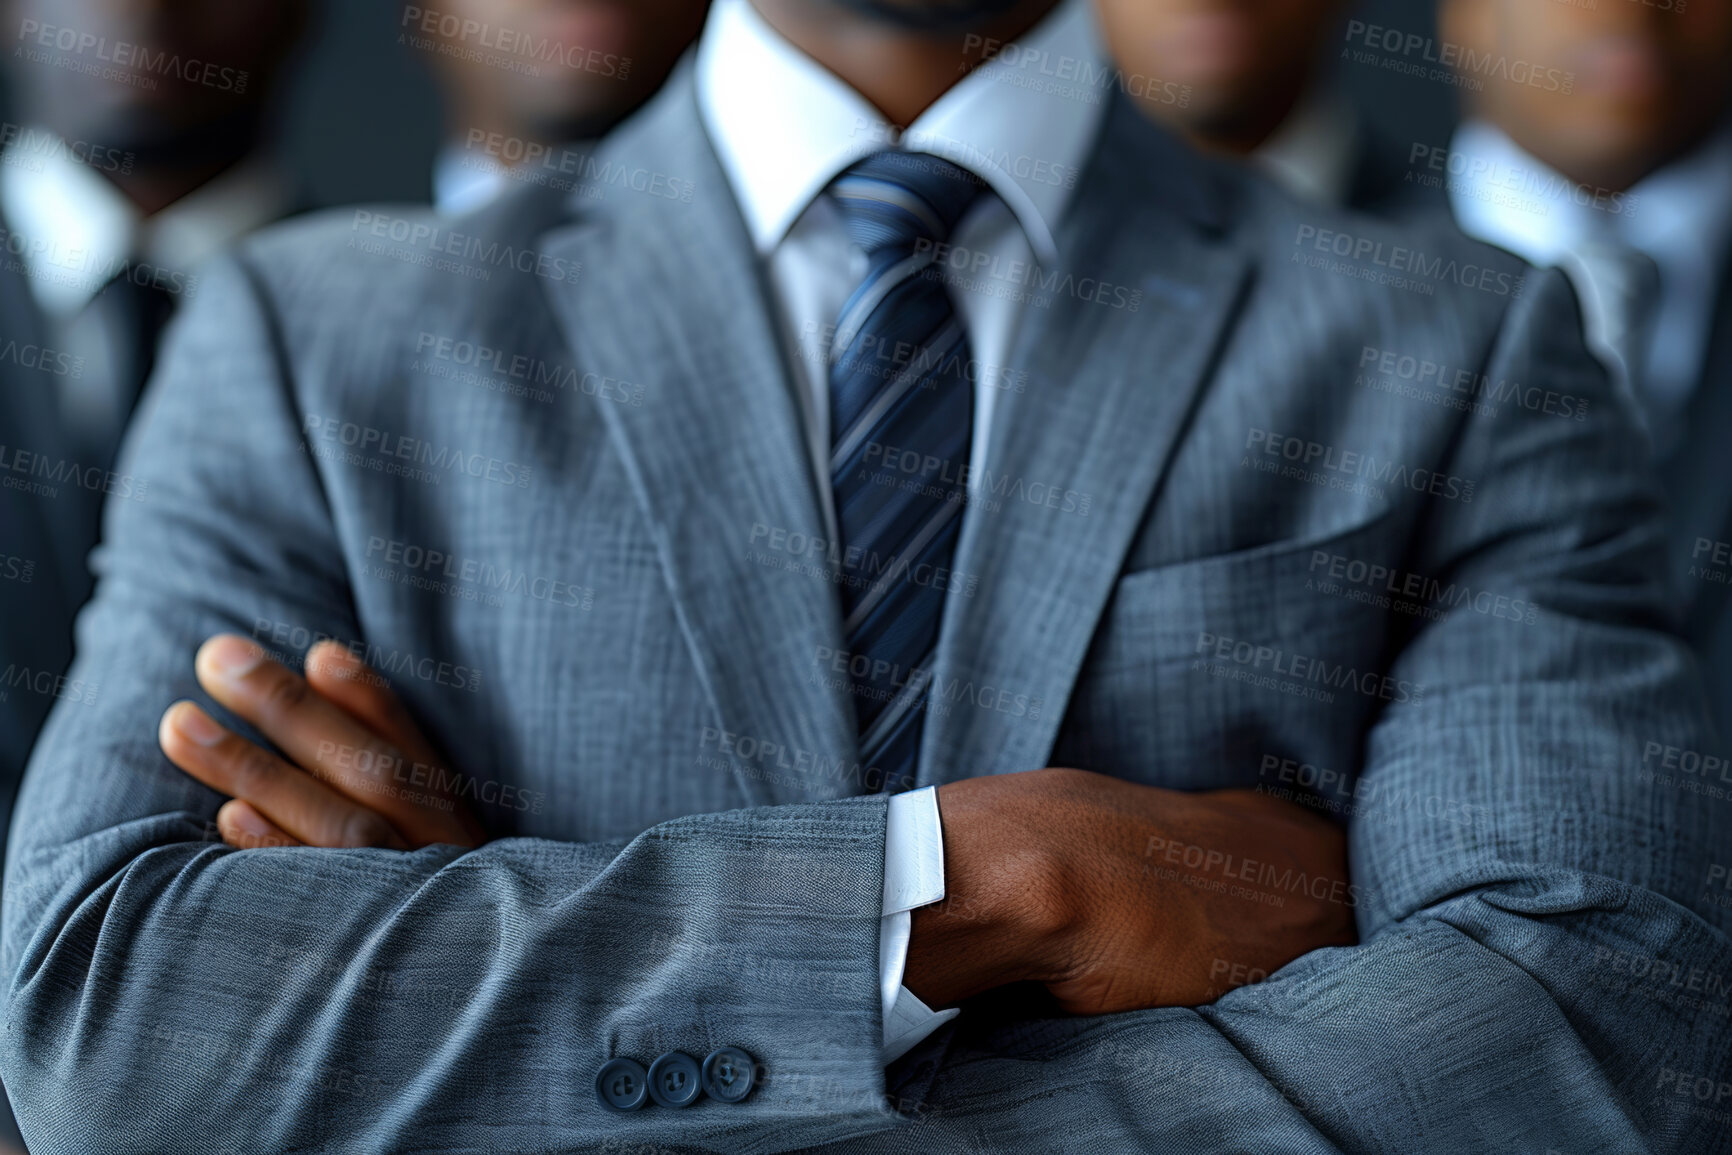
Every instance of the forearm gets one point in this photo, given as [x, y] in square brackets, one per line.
[1053, 880]
[1467, 1028]
[287, 998]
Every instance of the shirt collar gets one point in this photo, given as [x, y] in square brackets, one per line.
[1311, 154]
[1687, 205]
[77, 226]
[464, 179]
[784, 126]
[1509, 198]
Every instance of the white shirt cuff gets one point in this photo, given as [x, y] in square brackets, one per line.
[913, 877]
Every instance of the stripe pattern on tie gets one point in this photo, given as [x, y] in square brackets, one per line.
[901, 422]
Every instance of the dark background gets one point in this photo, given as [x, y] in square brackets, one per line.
[363, 115]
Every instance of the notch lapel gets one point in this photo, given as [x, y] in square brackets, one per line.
[671, 295]
[1109, 392]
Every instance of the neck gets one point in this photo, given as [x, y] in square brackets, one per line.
[1613, 171]
[1247, 131]
[167, 167]
[152, 190]
[901, 70]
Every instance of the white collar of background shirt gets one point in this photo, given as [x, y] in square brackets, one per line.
[1510, 198]
[1679, 215]
[1311, 154]
[85, 226]
[785, 127]
[465, 180]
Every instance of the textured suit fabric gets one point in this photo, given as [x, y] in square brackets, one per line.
[607, 547]
[42, 574]
[1699, 496]
[43, 538]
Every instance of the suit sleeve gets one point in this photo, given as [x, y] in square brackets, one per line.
[1543, 964]
[166, 992]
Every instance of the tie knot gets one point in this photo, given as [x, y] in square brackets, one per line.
[895, 198]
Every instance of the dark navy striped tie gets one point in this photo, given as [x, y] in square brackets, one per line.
[901, 419]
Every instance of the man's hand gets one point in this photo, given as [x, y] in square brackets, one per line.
[358, 772]
[1119, 897]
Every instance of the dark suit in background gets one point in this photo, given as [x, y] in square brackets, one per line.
[123, 170]
[1698, 483]
[1626, 185]
[38, 567]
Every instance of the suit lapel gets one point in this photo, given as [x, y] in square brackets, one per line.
[1075, 459]
[671, 296]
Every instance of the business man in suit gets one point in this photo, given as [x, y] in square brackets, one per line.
[140, 152]
[533, 124]
[1625, 182]
[1110, 476]
[1254, 79]
[140, 149]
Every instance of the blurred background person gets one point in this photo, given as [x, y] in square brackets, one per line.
[1254, 78]
[1625, 181]
[139, 145]
[589, 65]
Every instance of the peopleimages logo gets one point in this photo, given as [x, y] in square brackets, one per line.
[1413, 267]
[1297, 669]
[1459, 387]
[1414, 54]
[29, 147]
[1319, 463]
[991, 274]
[424, 242]
[1537, 183]
[384, 450]
[485, 43]
[125, 61]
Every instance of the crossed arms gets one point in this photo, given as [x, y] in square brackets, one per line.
[433, 997]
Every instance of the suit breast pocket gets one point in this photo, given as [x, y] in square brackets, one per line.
[1204, 673]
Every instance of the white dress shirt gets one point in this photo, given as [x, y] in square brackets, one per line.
[465, 180]
[1680, 216]
[784, 127]
[1312, 153]
[82, 226]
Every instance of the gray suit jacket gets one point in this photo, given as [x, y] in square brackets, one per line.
[45, 532]
[548, 467]
[1699, 488]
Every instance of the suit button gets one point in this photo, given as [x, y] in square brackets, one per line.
[674, 1080]
[621, 1085]
[729, 1074]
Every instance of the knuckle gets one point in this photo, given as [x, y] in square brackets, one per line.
[251, 770]
[284, 693]
[364, 828]
[236, 836]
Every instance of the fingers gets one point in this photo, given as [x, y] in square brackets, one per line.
[345, 680]
[334, 744]
[342, 678]
[245, 828]
[293, 802]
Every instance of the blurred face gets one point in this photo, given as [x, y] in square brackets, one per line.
[935, 14]
[162, 78]
[1646, 81]
[557, 70]
[1245, 62]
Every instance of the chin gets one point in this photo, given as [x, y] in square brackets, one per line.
[1215, 110]
[938, 15]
